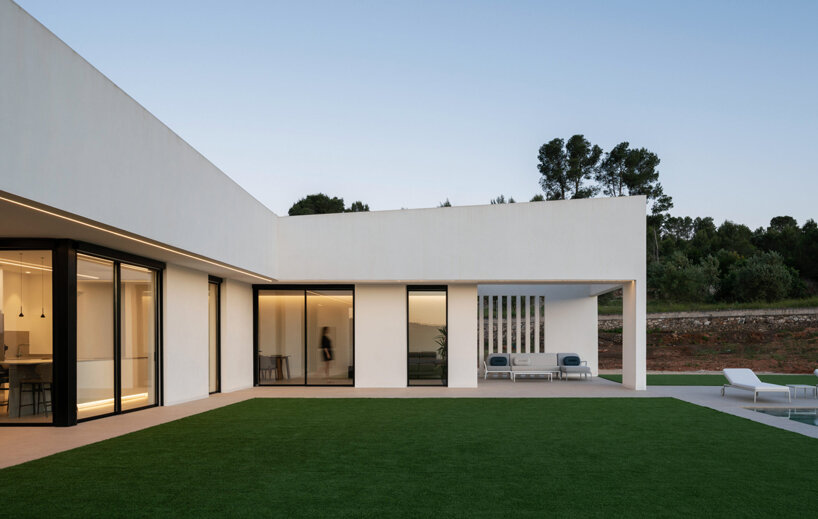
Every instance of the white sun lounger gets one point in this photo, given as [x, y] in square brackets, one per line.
[743, 378]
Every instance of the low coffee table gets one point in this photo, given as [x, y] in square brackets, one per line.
[805, 388]
[549, 372]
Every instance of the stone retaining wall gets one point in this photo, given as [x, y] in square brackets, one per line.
[722, 320]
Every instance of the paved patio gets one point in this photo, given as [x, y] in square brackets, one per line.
[36, 442]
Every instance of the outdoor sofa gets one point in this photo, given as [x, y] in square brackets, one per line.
[743, 378]
[535, 364]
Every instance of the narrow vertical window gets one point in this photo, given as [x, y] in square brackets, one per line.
[427, 363]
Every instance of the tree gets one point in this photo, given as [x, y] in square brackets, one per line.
[567, 167]
[583, 161]
[502, 200]
[537, 198]
[762, 277]
[357, 207]
[317, 204]
[553, 166]
[446, 203]
[632, 171]
[320, 203]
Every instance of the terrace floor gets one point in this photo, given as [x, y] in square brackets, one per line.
[36, 442]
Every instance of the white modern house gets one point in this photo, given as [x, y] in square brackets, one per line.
[135, 273]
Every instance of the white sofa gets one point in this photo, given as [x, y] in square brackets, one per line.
[534, 364]
[500, 366]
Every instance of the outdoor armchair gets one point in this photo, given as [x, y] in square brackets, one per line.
[571, 363]
[497, 363]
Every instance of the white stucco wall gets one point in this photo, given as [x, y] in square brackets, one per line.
[71, 139]
[571, 323]
[564, 240]
[237, 335]
[185, 345]
[380, 336]
[462, 335]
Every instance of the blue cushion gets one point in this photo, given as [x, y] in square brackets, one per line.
[498, 361]
[571, 360]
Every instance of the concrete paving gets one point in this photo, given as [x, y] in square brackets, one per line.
[21, 444]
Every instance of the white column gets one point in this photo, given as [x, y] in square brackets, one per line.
[237, 335]
[491, 324]
[462, 335]
[519, 328]
[508, 323]
[380, 336]
[527, 321]
[634, 375]
[536, 324]
[481, 319]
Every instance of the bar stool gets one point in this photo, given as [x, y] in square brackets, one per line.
[37, 386]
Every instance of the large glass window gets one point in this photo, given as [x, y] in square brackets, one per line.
[281, 337]
[305, 337]
[26, 328]
[329, 337]
[95, 336]
[116, 352]
[427, 337]
[138, 343]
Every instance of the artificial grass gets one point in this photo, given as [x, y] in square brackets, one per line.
[639, 457]
[696, 379]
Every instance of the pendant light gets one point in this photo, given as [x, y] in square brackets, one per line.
[42, 287]
[21, 285]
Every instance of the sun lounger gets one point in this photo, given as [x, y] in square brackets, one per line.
[743, 378]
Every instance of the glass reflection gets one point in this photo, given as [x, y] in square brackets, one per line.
[25, 336]
[95, 336]
[281, 337]
[138, 336]
[329, 337]
[427, 338]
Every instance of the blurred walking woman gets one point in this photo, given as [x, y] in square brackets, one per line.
[326, 350]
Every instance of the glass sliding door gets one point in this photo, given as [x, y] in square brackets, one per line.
[427, 363]
[138, 337]
[281, 337]
[305, 336]
[213, 335]
[95, 336]
[117, 336]
[329, 337]
[26, 343]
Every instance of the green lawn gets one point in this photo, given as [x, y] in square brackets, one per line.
[716, 380]
[639, 457]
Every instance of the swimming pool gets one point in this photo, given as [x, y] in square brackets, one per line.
[808, 416]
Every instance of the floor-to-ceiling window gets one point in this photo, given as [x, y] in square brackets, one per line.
[117, 334]
[95, 336]
[427, 355]
[213, 335]
[305, 336]
[26, 328]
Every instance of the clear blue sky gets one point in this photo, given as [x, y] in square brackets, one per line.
[403, 104]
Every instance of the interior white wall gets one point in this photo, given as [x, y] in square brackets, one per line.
[185, 345]
[462, 335]
[571, 323]
[236, 335]
[380, 336]
[71, 139]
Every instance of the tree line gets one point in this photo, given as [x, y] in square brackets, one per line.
[689, 259]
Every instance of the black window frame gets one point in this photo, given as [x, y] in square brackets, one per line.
[118, 258]
[213, 280]
[64, 321]
[427, 288]
[305, 288]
